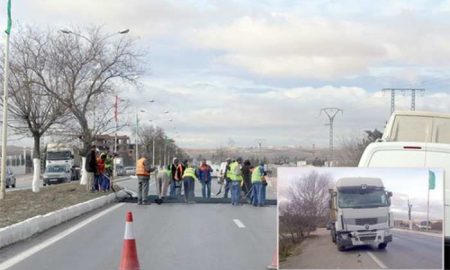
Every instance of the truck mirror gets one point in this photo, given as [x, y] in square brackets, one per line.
[389, 193]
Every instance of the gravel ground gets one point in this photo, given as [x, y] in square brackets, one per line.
[23, 204]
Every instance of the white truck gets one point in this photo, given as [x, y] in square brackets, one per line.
[415, 126]
[62, 154]
[359, 213]
[415, 140]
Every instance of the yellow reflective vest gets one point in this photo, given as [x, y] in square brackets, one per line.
[256, 175]
[232, 174]
[189, 172]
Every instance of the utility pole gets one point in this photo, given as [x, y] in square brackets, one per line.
[409, 214]
[413, 96]
[260, 141]
[331, 112]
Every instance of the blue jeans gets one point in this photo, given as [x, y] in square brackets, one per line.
[206, 186]
[172, 189]
[263, 194]
[227, 187]
[188, 183]
[235, 192]
[257, 194]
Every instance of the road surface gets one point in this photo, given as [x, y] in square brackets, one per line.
[169, 236]
[408, 250]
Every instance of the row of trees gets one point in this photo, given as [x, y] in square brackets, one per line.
[165, 147]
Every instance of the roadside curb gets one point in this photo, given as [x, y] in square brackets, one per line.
[23, 230]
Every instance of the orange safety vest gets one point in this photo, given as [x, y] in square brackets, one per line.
[140, 168]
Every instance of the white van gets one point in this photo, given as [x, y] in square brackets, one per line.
[416, 126]
[412, 154]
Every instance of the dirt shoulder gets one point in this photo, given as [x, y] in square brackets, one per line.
[318, 252]
[23, 204]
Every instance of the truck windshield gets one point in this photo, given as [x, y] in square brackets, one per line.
[56, 169]
[358, 198]
[61, 155]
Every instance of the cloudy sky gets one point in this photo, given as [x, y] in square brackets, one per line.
[405, 184]
[264, 69]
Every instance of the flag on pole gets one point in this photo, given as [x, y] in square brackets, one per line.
[431, 180]
[8, 27]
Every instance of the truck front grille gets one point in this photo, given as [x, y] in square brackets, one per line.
[367, 238]
[364, 221]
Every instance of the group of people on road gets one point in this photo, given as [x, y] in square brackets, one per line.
[237, 177]
[252, 181]
[99, 170]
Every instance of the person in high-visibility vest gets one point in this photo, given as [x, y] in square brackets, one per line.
[235, 174]
[143, 170]
[162, 183]
[189, 178]
[258, 187]
[226, 177]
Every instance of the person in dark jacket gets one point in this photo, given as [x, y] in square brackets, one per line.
[247, 175]
[91, 168]
[204, 175]
[173, 170]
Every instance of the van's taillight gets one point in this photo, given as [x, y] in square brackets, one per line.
[412, 147]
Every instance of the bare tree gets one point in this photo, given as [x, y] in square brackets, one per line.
[307, 207]
[352, 149]
[82, 70]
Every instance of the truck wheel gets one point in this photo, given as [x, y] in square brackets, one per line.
[333, 235]
[339, 244]
[382, 246]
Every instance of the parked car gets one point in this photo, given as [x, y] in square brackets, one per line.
[120, 170]
[10, 178]
[55, 174]
[130, 170]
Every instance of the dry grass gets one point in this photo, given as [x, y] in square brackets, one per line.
[23, 204]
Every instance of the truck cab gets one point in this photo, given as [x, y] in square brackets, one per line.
[65, 155]
[359, 213]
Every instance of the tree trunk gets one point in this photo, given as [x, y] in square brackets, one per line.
[83, 180]
[37, 145]
[36, 184]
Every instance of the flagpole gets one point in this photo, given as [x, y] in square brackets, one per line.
[5, 120]
[428, 209]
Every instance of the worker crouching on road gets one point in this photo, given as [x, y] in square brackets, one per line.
[143, 170]
[204, 175]
[189, 178]
[258, 185]
[163, 178]
[235, 174]
[179, 177]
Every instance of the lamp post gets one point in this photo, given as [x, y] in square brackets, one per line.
[153, 138]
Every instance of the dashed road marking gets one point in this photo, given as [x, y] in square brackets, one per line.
[239, 223]
[29, 252]
[377, 261]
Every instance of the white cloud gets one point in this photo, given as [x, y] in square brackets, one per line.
[325, 48]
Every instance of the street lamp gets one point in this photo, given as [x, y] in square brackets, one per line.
[153, 137]
[69, 32]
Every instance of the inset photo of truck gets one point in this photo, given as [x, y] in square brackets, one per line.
[361, 218]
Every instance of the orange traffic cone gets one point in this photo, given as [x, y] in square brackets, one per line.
[274, 265]
[129, 259]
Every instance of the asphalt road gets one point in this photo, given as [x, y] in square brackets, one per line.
[408, 250]
[169, 236]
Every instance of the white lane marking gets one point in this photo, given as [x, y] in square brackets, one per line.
[239, 223]
[377, 261]
[29, 252]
